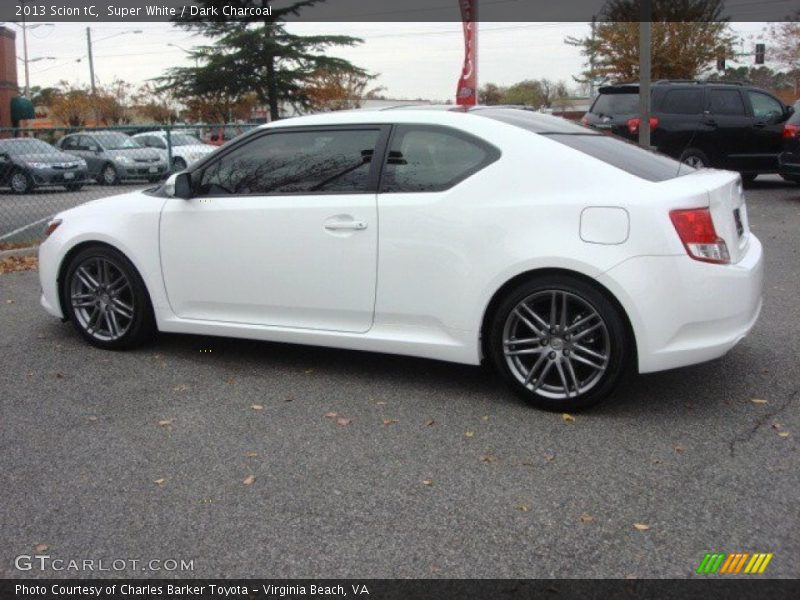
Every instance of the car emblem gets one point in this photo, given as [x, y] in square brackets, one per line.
[606, 119]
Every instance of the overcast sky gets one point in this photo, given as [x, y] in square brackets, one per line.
[413, 59]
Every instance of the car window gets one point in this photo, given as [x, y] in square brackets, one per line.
[616, 104]
[70, 143]
[765, 107]
[726, 102]
[683, 102]
[85, 143]
[432, 159]
[294, 162]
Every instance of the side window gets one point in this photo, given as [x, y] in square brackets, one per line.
[295, 162]
[86, 143]
[765, 107]
[726, 102]
[683, 102]
[69, 143]
[433, 159]
[153, 141]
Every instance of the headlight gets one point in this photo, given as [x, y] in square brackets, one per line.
[124, 160]
[82, 164]
[51, 227]
[37, 165]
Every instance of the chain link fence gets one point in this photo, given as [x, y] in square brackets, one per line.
[45, 171]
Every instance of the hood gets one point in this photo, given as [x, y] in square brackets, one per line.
[131, 203]
[51, 158]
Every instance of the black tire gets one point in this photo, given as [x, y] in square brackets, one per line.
[178, 164]
[695, 158]
[135, 320]
[20, 182]
[74, 187]
[562, 349]
[748, 177]
[108, 175]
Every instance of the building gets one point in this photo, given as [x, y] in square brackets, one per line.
[9, 88]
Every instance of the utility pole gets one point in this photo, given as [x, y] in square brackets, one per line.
[25, 53]
[91, 59]
[645, 56]
[591, 58]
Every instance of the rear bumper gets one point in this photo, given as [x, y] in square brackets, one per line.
[685, 312]
[789, 164]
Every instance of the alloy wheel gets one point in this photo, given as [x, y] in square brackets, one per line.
[19, 183]
[109, 175]
[556, 344]
[102, 299]
[695, 162]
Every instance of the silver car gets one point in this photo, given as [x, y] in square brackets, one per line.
[113, 156]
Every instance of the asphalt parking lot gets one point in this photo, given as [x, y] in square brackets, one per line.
[220, 451]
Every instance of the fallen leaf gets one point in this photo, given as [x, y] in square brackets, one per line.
[59, 376]
[568, 418]
[159, 481]
[343, 422]
[251, 454]
[230, 381]
[776, 426]
[308, 371]
[9, 302]
[656, 461]
[678, 448]
[758, 401]
[289, 399]
[586, 518]
[485, 418]
[469, 434]
[331, 415]
[166, 422]
[257, 407]
[182, 387]
[549, 457]
[523, 507]
[388, 422]
[488, 458]
[430, 423]
[641, 526]
[527, 464]
[783, 434]
[427, 482]
[249, 480]
[92, 418]
[380, 403]
[13, 264]
[39, 548]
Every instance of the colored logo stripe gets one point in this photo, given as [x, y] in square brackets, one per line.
[720, 562]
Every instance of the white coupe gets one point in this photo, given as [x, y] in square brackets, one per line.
[562, 256]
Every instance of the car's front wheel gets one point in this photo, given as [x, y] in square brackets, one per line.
[21, 182]
[106, 299]
[558, 342]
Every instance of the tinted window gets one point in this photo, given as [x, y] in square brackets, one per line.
[294, 163]
[683, 102]
[617, 153]
[765, 107]
[85, 143]
[616, 104]
[726, 102]
[432, 159]
[70, 143]
[115, 141]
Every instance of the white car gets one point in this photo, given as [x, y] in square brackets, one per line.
[186, 148]
[562, 256]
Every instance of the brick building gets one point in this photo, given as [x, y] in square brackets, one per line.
[8, 74]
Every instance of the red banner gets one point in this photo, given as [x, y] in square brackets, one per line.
[467, 92]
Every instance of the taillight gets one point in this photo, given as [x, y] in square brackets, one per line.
[791, 132]
[633, 124]
[585, 120]
[696, 230]
[51, 227]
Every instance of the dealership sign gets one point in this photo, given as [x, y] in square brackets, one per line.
[467, 93]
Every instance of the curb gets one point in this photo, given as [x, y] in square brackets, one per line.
[30, 251]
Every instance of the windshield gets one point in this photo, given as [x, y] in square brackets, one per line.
[184, 139]
[26, 146]
[616, 104]
[115, 141]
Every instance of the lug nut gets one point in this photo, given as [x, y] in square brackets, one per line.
[545, 341]
[566, 352]
[552, 355]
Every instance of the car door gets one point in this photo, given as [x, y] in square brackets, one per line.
[680, 121]
[88, 150]
[281, 231]
[766, 131]
[726, 115]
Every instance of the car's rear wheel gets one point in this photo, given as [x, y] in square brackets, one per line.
[106, 299]
[558, 342]
[21, 182]
[695, 158]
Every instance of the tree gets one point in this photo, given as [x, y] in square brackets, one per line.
[257, 57]
[490, 94]
[528, 93]
[785, 47]
[688, 35]
[336, 90]
[760, 76]
[71, 105]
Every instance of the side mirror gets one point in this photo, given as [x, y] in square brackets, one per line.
[179, 185]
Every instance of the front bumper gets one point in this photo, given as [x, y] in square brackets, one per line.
[141, 171]
[684, 311]
[50, 176]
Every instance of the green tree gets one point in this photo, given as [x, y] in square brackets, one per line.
[261, 57]
[529, 93]
[490, 94]
[688, 35]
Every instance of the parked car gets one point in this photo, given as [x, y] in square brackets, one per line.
[222, 135]
[703, 124]
[790, 152]
[560, 255]
[27, 163]
[186, 148]
[113, 156]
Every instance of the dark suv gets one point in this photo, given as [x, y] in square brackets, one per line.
[704, 124]
[790, 155]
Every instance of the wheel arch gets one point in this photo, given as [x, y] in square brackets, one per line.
[518, 279]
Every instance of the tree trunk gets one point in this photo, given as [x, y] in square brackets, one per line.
[272, 90]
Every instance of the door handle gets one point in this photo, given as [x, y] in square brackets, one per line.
[345, 225]
[760, 124]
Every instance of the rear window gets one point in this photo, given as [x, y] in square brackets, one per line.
[616, 104]
[613, 151]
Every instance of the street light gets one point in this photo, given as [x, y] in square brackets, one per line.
[91, 59]
[185, 50]
[25, 28]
